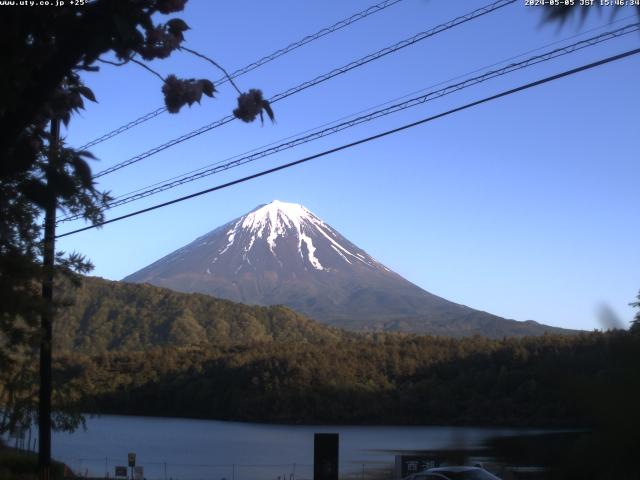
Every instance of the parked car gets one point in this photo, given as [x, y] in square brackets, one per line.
[453, 473]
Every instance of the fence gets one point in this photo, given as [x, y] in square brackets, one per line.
[156, 470]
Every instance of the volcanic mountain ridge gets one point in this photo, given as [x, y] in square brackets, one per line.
[281, 253]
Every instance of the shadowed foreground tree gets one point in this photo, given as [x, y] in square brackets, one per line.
[635, 323]
[46, 53]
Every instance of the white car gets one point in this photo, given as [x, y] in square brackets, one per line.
[454, 473]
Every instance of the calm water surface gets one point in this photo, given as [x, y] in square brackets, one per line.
[204, 449]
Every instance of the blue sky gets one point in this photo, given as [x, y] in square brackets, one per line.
[525, 207]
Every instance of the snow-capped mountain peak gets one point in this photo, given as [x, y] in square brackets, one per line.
[282, 254]
[277, 219]
[277, 215]
[282, 220]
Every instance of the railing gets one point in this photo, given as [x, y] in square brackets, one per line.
[104, 467]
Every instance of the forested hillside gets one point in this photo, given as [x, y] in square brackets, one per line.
[139, 349]
[105, 315]
[375, 379]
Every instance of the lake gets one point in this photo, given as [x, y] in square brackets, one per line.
[188, 449]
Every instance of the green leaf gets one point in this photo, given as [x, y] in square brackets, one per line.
[86, 153]
[87, 93]
[82, 171]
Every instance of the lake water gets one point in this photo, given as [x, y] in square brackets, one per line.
[187, 449]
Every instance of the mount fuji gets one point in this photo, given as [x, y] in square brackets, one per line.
[281, 253]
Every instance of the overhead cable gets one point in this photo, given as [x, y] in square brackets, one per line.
[380, 105]
[505, 93]
[252, 66]
[412, 102]
[317, 80]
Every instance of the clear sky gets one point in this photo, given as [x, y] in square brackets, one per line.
[525, 207]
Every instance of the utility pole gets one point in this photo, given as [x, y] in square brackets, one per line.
[46, 320]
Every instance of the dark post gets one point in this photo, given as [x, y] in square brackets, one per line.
[44, 411]
[325, 456]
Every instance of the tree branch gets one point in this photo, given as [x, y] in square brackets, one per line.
[116, 64]
[198, 54]
[148, 68]
[132, 59]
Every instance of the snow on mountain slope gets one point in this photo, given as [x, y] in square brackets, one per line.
[279, 219]
[281, 253]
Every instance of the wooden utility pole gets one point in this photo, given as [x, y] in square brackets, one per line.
[46, 320]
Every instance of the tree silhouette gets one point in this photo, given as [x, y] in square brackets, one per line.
[44, 52]
[635, 323]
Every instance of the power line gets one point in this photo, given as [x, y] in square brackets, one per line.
[505, 93]
[413, 102]
[395, 47]
[258, 63]
[321, 33]
[319, 79]
[124, 128]
[388, 102]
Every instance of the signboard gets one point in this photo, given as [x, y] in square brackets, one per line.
[325, 456]
[409, 464]
[132, 459]
[138, 473]
[121, 471]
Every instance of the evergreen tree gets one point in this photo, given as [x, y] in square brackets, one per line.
[635, 323]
